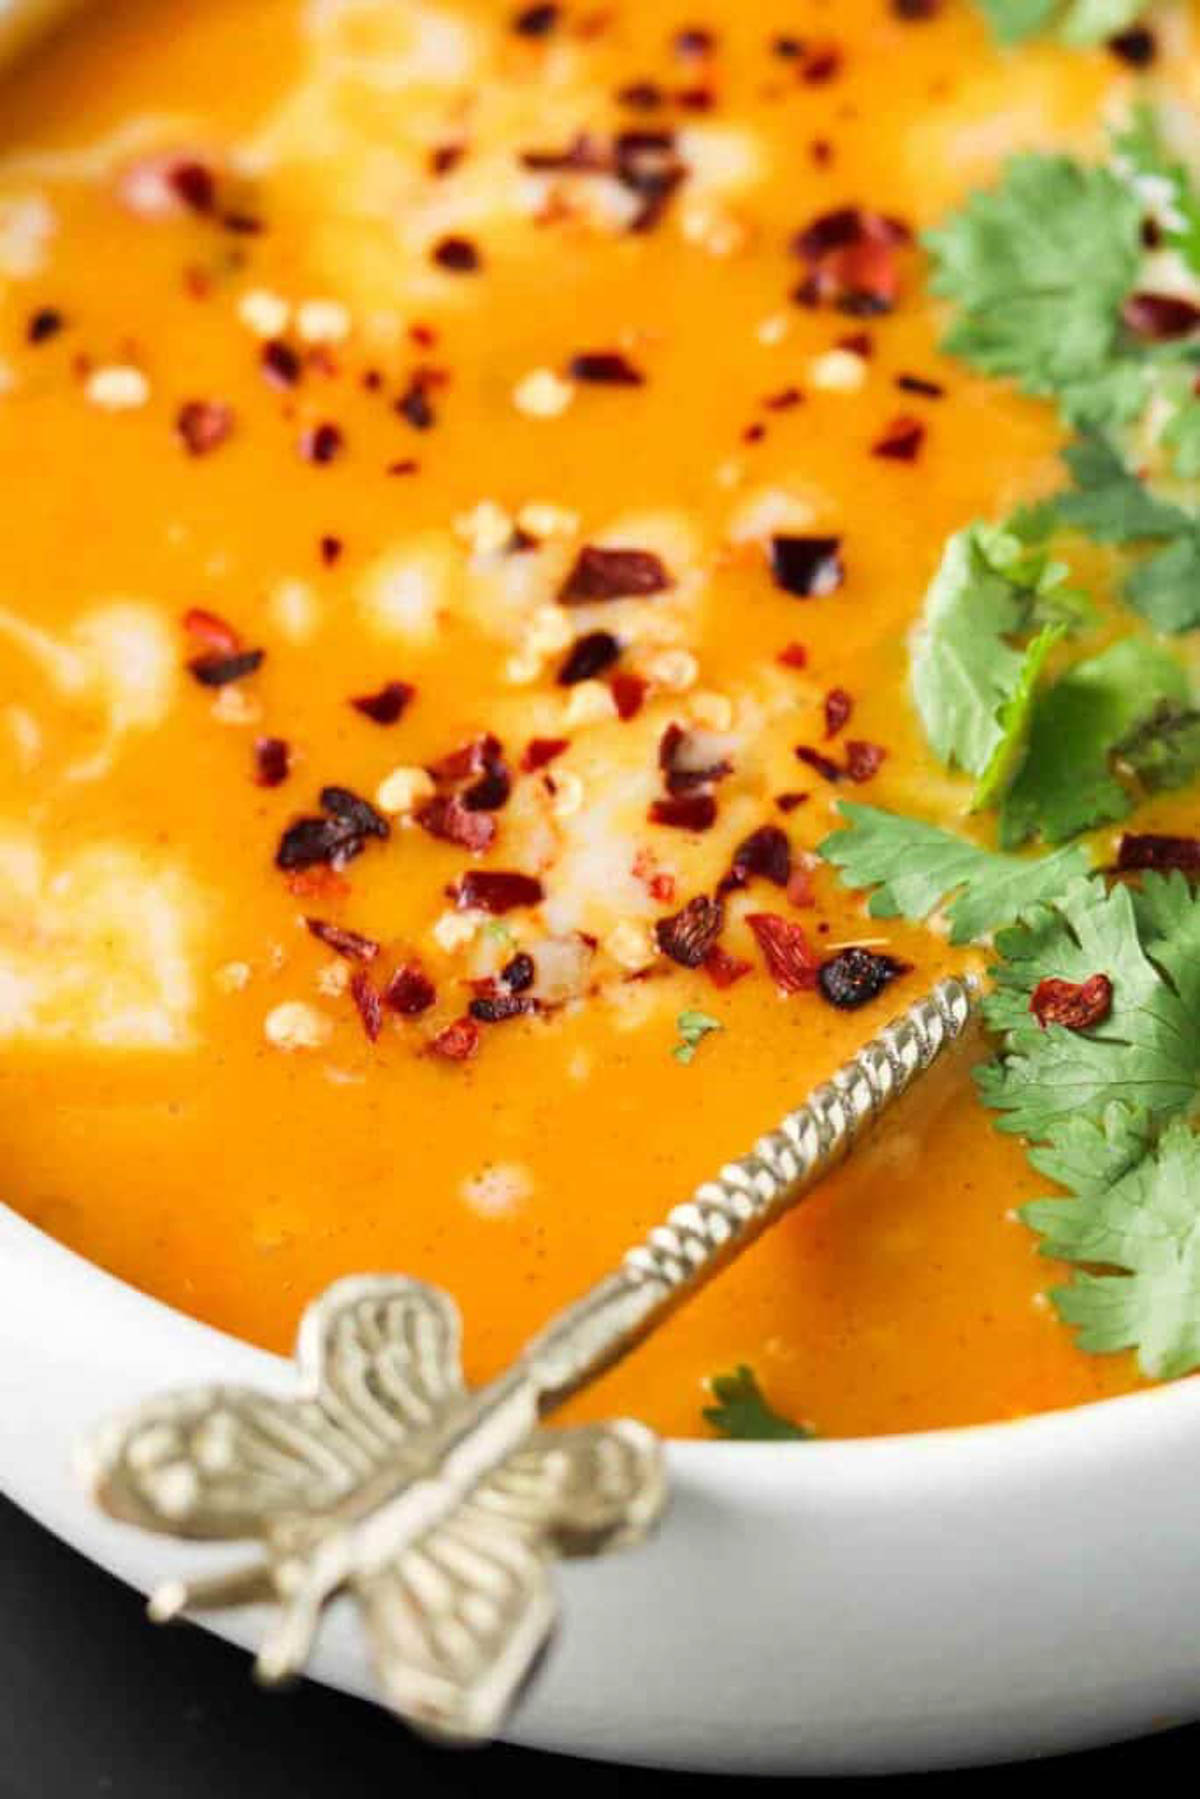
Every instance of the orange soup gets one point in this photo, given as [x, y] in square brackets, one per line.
[471, 473]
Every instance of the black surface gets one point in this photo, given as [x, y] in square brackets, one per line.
[96, 1704]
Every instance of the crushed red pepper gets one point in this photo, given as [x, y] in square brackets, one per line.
[785, 950]
[602, 574]
[1076, 1004]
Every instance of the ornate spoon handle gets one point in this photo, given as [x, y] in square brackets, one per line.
[438, 1508]
[699, 1237]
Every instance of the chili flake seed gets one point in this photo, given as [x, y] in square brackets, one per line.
[1076, 1004]
[542, 394]
[808, 567]
[265, 314]
[322, 322]
[295, 1025]
[203, 425]
[631, 946]
[590, 703]
[837, 372]
[401, 792]
[117, 388]
[854, 976]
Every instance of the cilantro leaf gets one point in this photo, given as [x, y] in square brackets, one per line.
[1132, 1208]
[743, 1412]
[973, 690]
[1066, 783]
[1110, 505]
[693, 1028]
[914, 867]
[1146, 1053]
[1038, 268]
[1074, 21]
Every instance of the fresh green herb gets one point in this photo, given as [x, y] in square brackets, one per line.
[1074, 21]
[916, 867]
[1164, 752]
[1106, 1110]
[1038, 269]
[1110, 505]
[1066, 783]
[743, 1412]
[693, 1028]
[973, 689]
[1147, 1052]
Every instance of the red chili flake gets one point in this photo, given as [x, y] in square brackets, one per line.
[203, 425]
[409, 991]
[838, 707]
[658, 882]
[689, 935]
[445, 158]
[1076, 1004]
[387, 705]
[1137, 47]
[864, 760]
[351, 944]
[786, 47]
[808, 567]
[629, 692]
[754, 434]
[685, 812]
[468, 760]
[825, 766]
[317, 882]
[853, 260]
[330, 550]
[405, 467]
[722, 968]
[457, 254]
[800, 890]
[784, 400]
[219, 671]
[1152, 850]
[243, 224]
[272, 761]
[858, 343]
[496, 890]
[1160, 317]
[676, 757]
[334, 839]
[900, 440]
[519, 972]
[695, 99]
[693, 41]
[793, 655]
[785, 950]
[541, 750]
[498, 1008]
[44, 324]
[600, 574]
[647, 164]
[605, 368]
[447, 818]
[765, 853]
[642, 96]
[211, 630]
[536, 21]
[458, 1042]
[366, 997]
[588, 657]
[821, 152]
[854, 976]
[917, 384]
[280, 363]
[194, 184]
[415, 405]
[788, 802]
[821, 65]
[916, 11]
[322, 443]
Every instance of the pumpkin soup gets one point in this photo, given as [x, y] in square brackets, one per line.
[540, 601]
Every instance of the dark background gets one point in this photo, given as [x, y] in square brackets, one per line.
[96, 1704]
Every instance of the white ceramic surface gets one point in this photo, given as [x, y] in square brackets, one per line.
[903, 1602]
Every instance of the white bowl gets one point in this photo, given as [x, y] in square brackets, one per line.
[893, 1603]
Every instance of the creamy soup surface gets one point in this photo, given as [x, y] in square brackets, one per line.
[403, 400]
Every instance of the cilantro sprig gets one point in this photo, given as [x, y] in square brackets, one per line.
[742, 1411]
[693, 1028]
